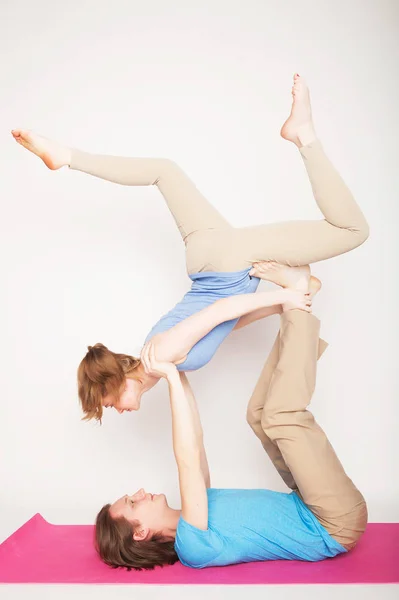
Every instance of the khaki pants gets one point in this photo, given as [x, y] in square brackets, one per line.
[212, 244]
[297, 446]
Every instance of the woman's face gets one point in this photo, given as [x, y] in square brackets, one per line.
[129, 397]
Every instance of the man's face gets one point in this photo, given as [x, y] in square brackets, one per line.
[148, 509]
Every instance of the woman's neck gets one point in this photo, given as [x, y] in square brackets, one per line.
[147, 380]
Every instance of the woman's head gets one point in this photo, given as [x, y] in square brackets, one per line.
[135, 532]
[108, 379]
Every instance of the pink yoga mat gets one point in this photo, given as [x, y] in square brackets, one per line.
[40, 552]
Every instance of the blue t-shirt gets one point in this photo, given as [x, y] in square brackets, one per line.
[254, 525]
[207, 288]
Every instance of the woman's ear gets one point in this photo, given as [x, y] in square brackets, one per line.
[129, 363]
[129, 384]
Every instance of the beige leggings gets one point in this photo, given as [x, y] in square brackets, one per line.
[212, 244]
[297, 446]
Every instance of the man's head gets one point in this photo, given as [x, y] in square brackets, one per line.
[148, 510]
[130, 532]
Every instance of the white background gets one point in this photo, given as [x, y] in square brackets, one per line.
[208, 85]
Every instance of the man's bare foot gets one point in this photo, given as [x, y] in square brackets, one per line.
[295, 278]
[299, 127]
[52, 154]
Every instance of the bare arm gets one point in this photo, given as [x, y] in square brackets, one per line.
[174, 345]
[256, 315]
[198, 426]
[187, 449]
[187, 441]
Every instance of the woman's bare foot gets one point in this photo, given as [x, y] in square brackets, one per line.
[52, 154]
[314, 286]
[295, 278]
[299, 127]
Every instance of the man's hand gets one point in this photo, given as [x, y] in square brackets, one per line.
[295, 299]
[154, 367]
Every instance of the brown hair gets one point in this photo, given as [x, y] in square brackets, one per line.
[115, 544]
[102, 372]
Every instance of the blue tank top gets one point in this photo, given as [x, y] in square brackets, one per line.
[207, 288]
[254, 525]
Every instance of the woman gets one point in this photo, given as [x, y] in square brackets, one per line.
[220, 258]
[323, 516]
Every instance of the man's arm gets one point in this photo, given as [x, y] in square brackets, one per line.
[198, 426]
[187, 443]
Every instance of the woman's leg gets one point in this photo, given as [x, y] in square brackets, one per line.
[299, 243]
[255, 410]
[216, 246]
[309, 456]
[190, 209]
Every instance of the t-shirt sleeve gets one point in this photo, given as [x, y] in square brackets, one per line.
[196, 548]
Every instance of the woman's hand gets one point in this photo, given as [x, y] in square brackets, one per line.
[154, 367]
[295, 299]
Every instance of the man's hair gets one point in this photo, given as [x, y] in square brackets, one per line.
[115, 544]
[100, 373]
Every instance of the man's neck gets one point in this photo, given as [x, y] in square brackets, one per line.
[172, 520]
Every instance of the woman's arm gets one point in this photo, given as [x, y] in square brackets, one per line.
[187, 442]
[256, 315]
[174, 345]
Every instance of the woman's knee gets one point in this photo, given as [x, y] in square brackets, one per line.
[361, 234]
[167, 168]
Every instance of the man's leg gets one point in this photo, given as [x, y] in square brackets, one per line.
[255, 409]
[309, 456]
